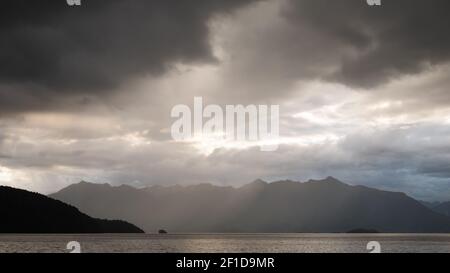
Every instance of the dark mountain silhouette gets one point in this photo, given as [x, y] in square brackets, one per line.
[26, 212]
[443, 208]
[430, 205]
[285, 206]
[439, 207]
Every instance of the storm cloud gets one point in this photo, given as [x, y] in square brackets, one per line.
[400, 37]
[347, 42]
[50, 50]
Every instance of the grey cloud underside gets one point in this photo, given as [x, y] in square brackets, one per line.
[49, 49]
[103, 43]
[345, 41]
[54, 55]
[400, 37]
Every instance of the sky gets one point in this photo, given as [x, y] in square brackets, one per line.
[86, 92]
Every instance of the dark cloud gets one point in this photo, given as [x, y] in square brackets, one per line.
[59, 50]
[381, 43]
[346, 42]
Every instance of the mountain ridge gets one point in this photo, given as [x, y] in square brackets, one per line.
[443, 208]
[327, 205]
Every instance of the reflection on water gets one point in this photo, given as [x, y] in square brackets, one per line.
[226, 243]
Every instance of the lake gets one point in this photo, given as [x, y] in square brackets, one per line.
[226, 243]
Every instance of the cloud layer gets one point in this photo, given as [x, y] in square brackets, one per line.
[86, 92]
[51, 51]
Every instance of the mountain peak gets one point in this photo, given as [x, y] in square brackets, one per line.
[86, 183]
[258, 183]
[332, 179]
[328, 180]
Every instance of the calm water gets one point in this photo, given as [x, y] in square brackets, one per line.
[260, 243]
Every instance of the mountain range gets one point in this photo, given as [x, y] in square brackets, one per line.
[325, 206]
[27, 212]
[439, 207]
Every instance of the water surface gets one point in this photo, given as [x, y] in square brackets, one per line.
[226, 243]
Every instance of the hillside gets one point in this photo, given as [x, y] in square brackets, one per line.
[26, 212]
